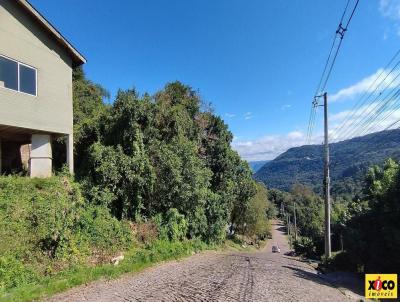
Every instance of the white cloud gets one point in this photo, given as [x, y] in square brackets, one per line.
[248, 115]
[286, 107]
[295, 135]
[380, 79]
[351, 123]
[270, 146]
[390, 9]
[230, 115]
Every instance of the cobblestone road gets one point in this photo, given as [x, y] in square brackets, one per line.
[212, 276]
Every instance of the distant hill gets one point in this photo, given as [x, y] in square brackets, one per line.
[257, 165]
[350, 160]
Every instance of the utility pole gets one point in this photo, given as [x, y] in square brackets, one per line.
[295, 224]
[289, 232]
[327, 183]
[341, 242]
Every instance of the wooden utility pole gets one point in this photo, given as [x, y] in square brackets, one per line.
[295, 224]
[327, 183]
[287, 224]
[341, 242]
[289, 232]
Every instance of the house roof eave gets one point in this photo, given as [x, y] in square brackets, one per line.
[77, 58]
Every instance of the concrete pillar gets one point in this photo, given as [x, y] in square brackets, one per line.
[70, 153]
[41, 156]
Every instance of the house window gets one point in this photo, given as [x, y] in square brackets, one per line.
[8, 73]
[17, 76]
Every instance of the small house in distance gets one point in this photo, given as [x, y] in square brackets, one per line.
[36, 64]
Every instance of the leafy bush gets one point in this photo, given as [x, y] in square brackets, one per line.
[14, 273]
[38, 216]
[216, 217]
[172, 226]
[145, 232]
[46, 227]
[256, 223]
[343, 261]
[305, 246]
[104, 231]
[372, 236]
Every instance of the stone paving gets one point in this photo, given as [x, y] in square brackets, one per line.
[213, 276]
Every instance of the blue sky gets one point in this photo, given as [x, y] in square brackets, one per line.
[257, 61]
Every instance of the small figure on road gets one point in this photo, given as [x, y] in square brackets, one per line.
[276, 249]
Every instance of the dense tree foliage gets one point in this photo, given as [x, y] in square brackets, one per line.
[309, 217]
[372, 235]
[89, 108]
[365, 228]
[260, 211]
[145, 155]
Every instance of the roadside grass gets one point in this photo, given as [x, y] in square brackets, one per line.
[135, 261]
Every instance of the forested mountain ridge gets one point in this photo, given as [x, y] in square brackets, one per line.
[349, 161]
[257, 165]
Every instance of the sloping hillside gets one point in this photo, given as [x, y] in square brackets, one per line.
[257, 165]
[349, 161]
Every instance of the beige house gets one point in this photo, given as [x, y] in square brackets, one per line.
[36, 64]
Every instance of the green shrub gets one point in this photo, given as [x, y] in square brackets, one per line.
[14, 273]
[104, 231]
[47, 227]
[305, 246]
[256, 224]
[38, 216]
[217, 217]
[343, 261]
[146, 232]
[171, 226]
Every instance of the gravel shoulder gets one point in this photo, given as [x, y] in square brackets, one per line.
[218, 276]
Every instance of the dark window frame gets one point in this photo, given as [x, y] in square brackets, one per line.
[18, 77]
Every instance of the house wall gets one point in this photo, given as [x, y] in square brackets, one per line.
[22, 39]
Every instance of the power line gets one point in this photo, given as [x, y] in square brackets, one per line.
[329, 64]
[370, 116]
[391, 125]
[366, 112]
[394, 106]
[365, 97]
[319, 90]
[351, 125]
[352, 13]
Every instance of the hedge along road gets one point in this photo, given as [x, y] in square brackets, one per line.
[217, 276]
